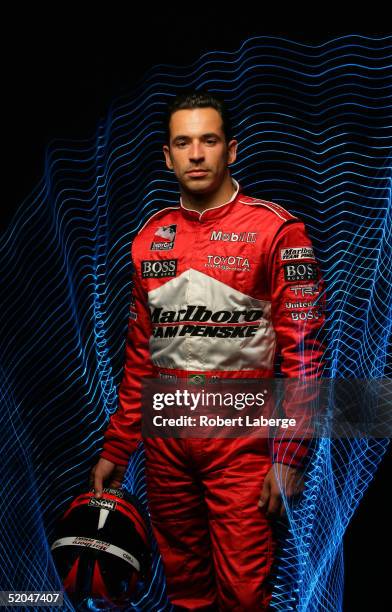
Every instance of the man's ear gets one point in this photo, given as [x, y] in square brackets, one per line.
[166, 152]
[232, 151]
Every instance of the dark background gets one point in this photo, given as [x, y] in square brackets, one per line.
[61, 73]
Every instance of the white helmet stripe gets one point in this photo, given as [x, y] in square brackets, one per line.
[98, 545]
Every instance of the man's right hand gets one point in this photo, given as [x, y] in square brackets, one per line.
[101, 472]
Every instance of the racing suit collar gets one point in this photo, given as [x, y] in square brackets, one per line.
[216, 211]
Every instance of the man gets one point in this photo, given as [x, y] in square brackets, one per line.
[212, 500]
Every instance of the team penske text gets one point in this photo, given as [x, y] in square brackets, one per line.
[191, 321]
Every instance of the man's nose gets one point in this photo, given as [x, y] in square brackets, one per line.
[196, 152]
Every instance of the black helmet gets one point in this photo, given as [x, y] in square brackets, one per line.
[101, 548]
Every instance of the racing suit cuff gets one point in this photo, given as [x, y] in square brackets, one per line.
[116, 456]
[294, 453]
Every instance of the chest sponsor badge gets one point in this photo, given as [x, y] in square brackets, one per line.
[164, 238]
[228, 262]
[300, 271]
[233, 236]
[159, 268]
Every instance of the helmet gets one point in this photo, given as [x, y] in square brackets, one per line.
[101, 547]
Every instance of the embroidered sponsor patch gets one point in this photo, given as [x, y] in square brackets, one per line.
[289, 305]
[167, 376]
[302, 252]
[306, 315]
[233, 236]
[158, 268]
[228, 262]
[197, 379]
[164, 238]
[300, 271]
[304, 290]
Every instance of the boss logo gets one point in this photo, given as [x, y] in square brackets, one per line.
[305, 316]
[105, 504]
[163, 268]
[300, 272]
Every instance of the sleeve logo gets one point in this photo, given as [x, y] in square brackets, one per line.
[302, 252]
[300, 271]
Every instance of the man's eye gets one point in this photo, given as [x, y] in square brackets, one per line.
[211, 140]
[181, 143]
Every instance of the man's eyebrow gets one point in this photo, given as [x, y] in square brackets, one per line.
[207, 135]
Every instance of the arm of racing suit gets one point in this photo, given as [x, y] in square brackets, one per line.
[298, 329]
[124, 429]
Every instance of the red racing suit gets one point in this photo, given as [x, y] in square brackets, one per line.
[217, 293]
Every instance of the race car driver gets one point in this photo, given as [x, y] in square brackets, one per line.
[200, 268]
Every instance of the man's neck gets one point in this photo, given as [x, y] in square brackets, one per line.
[204, 201]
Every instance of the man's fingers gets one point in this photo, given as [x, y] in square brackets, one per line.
[115, 484]
[274, 505]
[270, 498]
[101, 472]
[98, 484]
[264, 495]
[118, 477]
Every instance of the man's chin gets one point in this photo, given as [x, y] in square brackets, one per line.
[199, 185]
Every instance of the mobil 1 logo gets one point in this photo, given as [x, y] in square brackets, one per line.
[300, 271]
[159, 268]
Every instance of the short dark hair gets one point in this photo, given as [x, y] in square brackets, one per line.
[199, 99]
